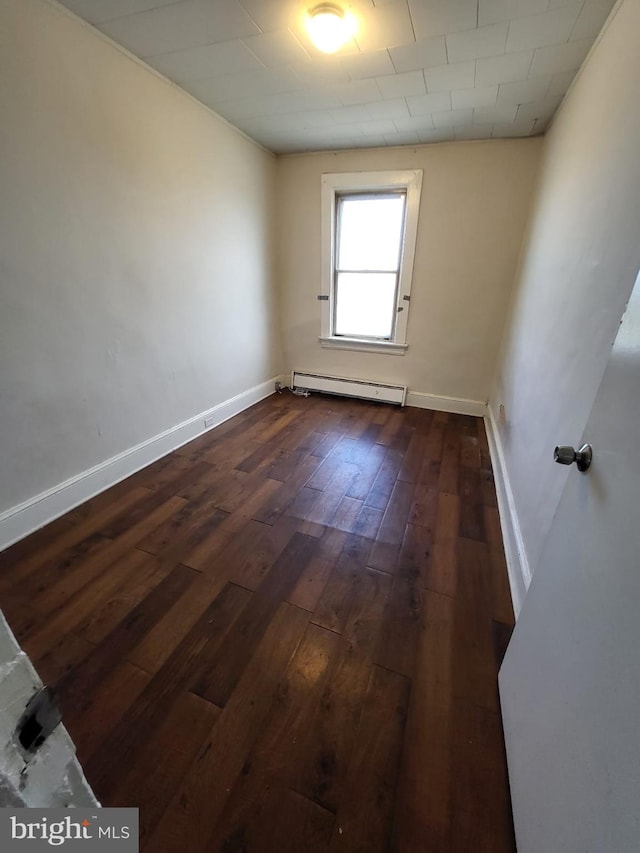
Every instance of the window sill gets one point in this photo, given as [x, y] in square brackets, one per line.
[386, 347]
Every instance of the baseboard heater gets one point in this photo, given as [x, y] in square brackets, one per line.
[349, 387]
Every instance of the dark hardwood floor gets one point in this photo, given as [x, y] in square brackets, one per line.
[285, 635]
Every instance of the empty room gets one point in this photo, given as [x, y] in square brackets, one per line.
[319, 398]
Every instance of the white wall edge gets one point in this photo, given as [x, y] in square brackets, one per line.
[514, 549]
[446, 404]
[21, 520]
[64, 10]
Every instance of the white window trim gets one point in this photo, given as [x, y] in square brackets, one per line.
[409, 180]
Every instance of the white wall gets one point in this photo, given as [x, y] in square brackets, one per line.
[135, 253]
[475, 200]
[579, 266]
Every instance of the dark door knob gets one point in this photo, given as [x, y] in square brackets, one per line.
[566, 455]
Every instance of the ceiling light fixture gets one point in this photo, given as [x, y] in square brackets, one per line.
[329, 27]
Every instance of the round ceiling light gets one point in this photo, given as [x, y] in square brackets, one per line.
[329, 27]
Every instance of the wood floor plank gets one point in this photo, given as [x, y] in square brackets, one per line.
[402, 624]
[300, 825]
[68, 539]
[325, 507]
[327, 444]
[421, 420]
[286, 464]
[368, 522]
[285, 635]
[443, 568]
[216, 682]
[170, 756]
[402, 439]
[285, 493]
[385, 480]
[204, 554]
[502, 606]
[151, 653]
[163, 690]
[325, 472]
[92, 719]
[164, 535]
[311, 583]
[432, 460]
[126, 634]
[365, 813]
[424, 508]
[501, 636]
[480, 814]
[273, 430]
[265, 775]
[415, 557]
[470, 451]
[471, 504]
[21, 599]
[342, 587]
[450, 463]
[236, 495]
[302, 504]
[208, 483]
[353, 450]
[176, 540]
[164, 472]
[369, 467]
[474, 664]
[346, 515]
[323, 763]
[261, 454]
[422, 819]
[126, 598]
[489, 496]
[70, 615]
[189, 822]
[389, 537]
[136, 517]
[62, 658]
[249, 558]
[238, 432]
[310, 441]
[99, 575]
[391, 427]
[412, 463]
[42, 539]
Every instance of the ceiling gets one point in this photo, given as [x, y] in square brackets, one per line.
[416, 71]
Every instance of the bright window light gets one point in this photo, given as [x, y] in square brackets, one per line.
[369, 226]
[369, 233]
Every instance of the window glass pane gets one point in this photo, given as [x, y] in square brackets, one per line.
[365, 303]
[370, 231]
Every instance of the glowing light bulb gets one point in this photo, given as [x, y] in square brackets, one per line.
[329, 27]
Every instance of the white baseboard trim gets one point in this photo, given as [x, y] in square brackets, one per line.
[21, 520]
[446, 404]
[515, 553]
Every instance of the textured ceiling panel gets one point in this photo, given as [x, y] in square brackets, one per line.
[415, 71]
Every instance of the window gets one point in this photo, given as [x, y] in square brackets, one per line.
[369, 225]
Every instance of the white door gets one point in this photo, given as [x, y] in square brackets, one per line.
[570, 681]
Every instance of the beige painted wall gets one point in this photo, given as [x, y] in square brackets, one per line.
[581, 259]
[475, 200]
[135, 253]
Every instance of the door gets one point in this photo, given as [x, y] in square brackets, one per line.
[570, 681]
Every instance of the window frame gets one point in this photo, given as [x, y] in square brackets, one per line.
[335, 185]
